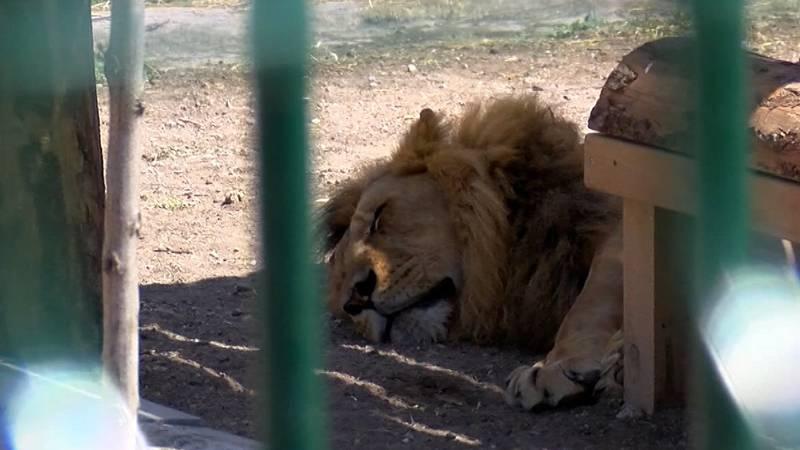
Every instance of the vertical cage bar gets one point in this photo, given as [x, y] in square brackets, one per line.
[288, 296]
[723, 222]
[51, 186]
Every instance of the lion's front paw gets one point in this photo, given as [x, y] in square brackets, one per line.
[612, 378]
[550, 384]
[521, 389]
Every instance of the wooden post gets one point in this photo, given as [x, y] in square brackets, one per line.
[124, 71]
[51, 184]
[655, 293]
[640, 319]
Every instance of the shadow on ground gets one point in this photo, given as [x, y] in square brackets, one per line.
[198, 349]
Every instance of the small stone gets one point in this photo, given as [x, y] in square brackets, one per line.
[629, 412]
[412, 68]
[240, 289]
[233, 197]
[315, 121]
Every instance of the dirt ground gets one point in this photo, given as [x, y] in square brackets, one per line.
[198, 257]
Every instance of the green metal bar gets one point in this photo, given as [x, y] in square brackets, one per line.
[723, 221]
[49, 288]
[289, 296]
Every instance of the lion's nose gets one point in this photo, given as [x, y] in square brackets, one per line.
[361, 295]
[355, 306]
[366, 287]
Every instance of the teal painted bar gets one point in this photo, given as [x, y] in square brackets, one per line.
[724, 214]
[289, 291]
[49, 305]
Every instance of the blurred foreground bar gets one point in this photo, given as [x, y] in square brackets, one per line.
[289, 296]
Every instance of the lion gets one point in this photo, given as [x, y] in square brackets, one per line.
[481, 229]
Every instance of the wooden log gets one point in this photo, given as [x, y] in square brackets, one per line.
[51, 184]
[648, 99]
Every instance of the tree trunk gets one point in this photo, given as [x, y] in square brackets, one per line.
[648, 99]
[124, 71]
[51, 183]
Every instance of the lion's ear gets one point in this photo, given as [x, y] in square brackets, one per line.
[423, 137]
[427, 115]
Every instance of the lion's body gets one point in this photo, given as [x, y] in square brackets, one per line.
[479, 228]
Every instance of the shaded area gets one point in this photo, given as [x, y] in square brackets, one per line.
[195, 349]
[199, 345]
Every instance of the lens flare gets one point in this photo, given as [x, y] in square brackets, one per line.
[753, 333]
[66, 409]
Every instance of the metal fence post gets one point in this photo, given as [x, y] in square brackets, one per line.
[723, 220]
[289, 294]
[51, 186]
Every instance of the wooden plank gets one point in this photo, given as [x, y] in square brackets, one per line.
[639, 305]
[674, 268]
[667, 180]
[656, 291]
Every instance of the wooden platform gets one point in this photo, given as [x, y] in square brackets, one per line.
[658, 192]
[649, 99]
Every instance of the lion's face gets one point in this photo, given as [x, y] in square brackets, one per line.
[396, 269]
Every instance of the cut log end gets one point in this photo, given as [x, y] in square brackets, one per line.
[647, 99]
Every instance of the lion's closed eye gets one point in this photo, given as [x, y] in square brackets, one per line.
[374, 227]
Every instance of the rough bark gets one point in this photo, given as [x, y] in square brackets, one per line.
[648, 99]
[124, 72]
[51, 183]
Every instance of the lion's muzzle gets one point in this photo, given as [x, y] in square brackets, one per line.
[361, 295]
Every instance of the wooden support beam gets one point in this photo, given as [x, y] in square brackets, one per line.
[656, 288]
[659, 197]
[667, 180]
